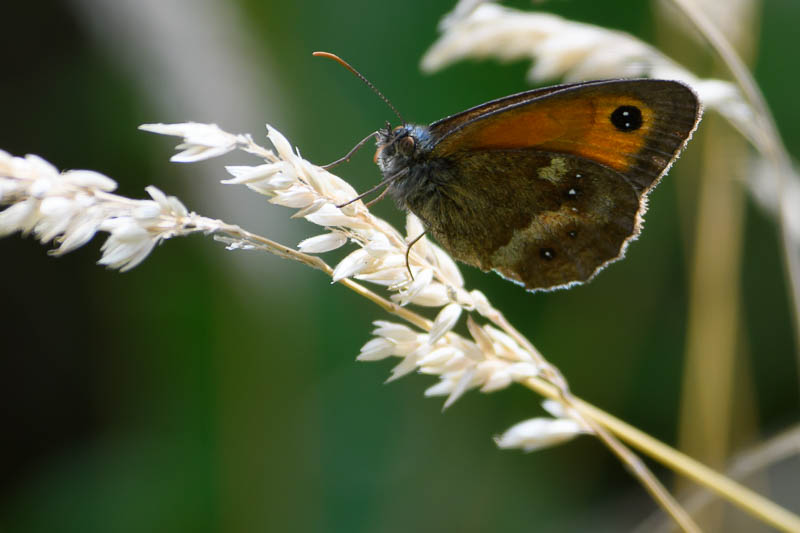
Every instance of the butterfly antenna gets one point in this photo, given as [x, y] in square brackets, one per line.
[346, 65]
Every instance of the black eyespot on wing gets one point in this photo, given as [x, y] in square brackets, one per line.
[627, 118]
[547, 254]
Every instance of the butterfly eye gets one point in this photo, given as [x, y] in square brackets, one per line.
[406, 145]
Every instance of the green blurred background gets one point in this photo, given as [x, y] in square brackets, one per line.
[215, 391]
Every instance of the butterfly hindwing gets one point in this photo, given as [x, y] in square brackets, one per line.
[556, 219]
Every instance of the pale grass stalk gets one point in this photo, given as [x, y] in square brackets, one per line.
[496, 357]
[770, 145]
[710, 405]
[708, 396]
[70, 208]
[758, 506]
[739, 495]
[237, 236]
[743, 468]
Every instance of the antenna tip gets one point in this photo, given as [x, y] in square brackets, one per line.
[346, 65]
[325, 54]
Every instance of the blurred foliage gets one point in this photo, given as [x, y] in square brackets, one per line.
[194, 395]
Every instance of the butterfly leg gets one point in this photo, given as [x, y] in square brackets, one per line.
[379, 198]
[355, 149]
[408, 251]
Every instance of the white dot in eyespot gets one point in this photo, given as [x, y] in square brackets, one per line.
[578, 176]
[625, 113]
[627, 124]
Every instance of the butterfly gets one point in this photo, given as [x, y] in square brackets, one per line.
[545, 187]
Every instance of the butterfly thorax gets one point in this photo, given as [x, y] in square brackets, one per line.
[405, 152]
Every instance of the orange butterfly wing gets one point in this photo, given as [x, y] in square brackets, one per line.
[580, 120]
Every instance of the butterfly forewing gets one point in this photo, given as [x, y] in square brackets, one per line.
[441, 128]
[636, 127]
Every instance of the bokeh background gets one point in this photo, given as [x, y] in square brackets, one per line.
[214, 391]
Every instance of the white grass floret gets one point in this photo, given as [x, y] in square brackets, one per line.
[70, 208]
[394, 332]
[202, 141]
[444, 322]
[537, 433]
[408, 365]
[323, 243]
[354, 263]
[432, 295]
[245, 175]
[464, 383]
[376, 349]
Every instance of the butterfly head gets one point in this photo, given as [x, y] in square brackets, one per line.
[400, 147]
